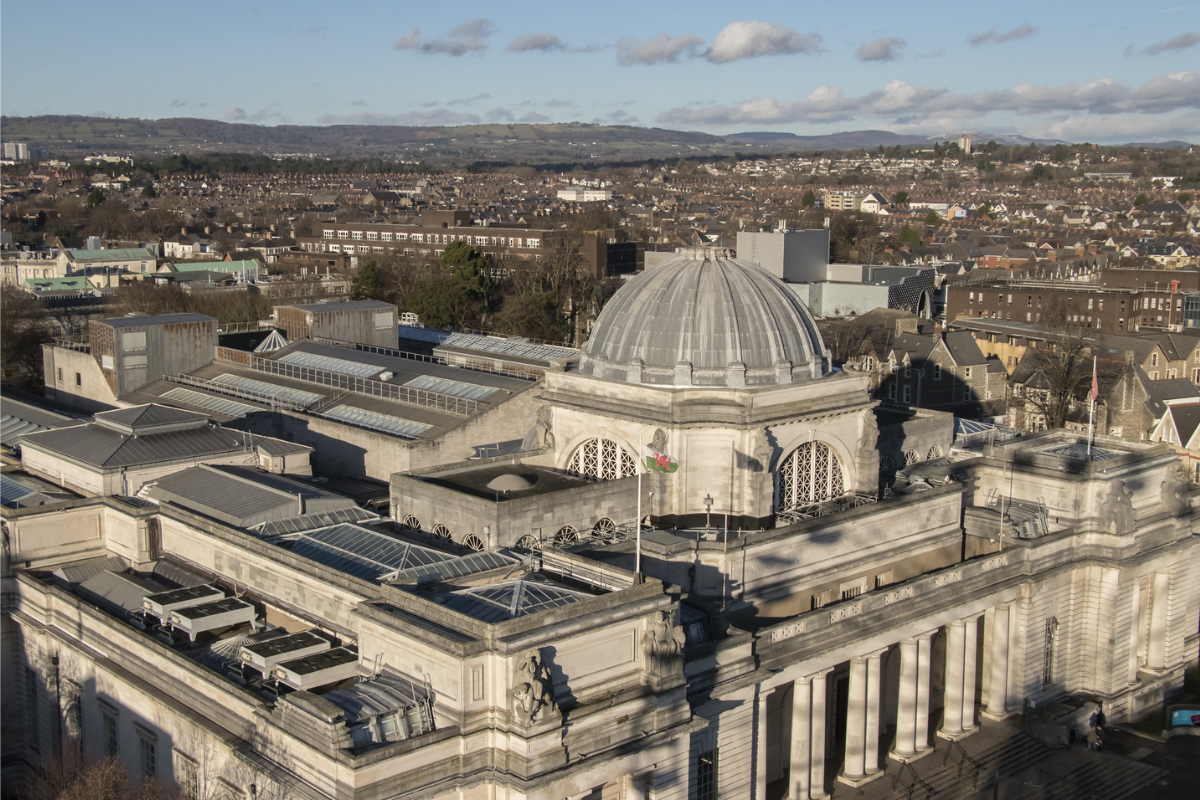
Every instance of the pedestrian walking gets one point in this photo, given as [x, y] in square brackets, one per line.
[1093, 739]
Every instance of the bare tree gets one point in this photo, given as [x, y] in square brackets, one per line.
[1063, 369]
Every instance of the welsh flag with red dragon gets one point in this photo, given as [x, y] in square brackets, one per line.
[659, 462]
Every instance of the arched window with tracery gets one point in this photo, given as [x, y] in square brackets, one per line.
[603, 459]
[811, 473]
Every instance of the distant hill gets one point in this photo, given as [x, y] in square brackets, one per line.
[845, 140]
[67, 134]
[551, 145]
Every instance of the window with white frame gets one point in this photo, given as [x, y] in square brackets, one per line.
[357, 235]
[343, 234]
[603, 459]
[372, 236]
[908, 394]
[328, 234]
[810, 474]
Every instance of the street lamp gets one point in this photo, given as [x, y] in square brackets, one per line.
[708, 501]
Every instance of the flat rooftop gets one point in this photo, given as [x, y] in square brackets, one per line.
[475, 480]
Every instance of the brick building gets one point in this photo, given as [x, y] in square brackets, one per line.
[1089, 306]
[436, 229]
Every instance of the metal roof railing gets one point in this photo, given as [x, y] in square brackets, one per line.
[70, 344]
[368, 387]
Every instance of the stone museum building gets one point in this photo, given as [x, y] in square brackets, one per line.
[790, 617]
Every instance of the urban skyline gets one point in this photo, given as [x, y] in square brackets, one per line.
[1061, 72]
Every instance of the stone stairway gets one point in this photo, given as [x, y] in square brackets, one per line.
[942, 778]
[1101, 777]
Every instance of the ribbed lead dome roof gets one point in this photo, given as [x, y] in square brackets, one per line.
[705, 319]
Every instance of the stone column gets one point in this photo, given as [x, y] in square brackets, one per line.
[998, 688]
[874, 688]
[923, 648]
[856, 722]
[760, 780]
[1135, 632]
[1156, 653]
[970, 646]
[635, 787]
[952, 712]
[906, 712]
[817, 766]
[801, 738]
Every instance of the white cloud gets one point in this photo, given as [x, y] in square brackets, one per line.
[658, 50]
[739, 40]
[439, 116]
[1126, 127]
[467, 37]
[544, 42]
[498, 114]
[992, 35]
[410, 41]
[233, 113]
[466, 101]
[886, 49]
[1181, 42]
[915, 104]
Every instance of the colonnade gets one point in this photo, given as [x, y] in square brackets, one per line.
[864, 706]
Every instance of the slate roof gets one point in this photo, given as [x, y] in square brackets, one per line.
[242, 497]
[1186, 418]
[1159, 392]
[99, 446]
[149, 415]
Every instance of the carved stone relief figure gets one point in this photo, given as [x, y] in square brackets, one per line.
[1117, 510]
[533, 692]
[1174, 492]
[663, 644]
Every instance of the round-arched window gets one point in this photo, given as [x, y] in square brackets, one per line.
[529, 544]
[411, 522]
[441, 531]
[886, 463]
[474, 542]
[566, 535]
[603, 528]
[911, 457]
[603, 459]
[811, 473]
[934, 452]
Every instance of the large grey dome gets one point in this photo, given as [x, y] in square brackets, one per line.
[705, 319]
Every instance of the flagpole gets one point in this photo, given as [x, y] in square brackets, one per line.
[637, 560]
[1092, 410]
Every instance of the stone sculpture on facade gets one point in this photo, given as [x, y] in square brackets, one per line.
[1174, 493]
[1117, 510]
[533, 693]
[662, 645]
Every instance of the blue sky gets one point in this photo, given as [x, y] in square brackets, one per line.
[1097, 71]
